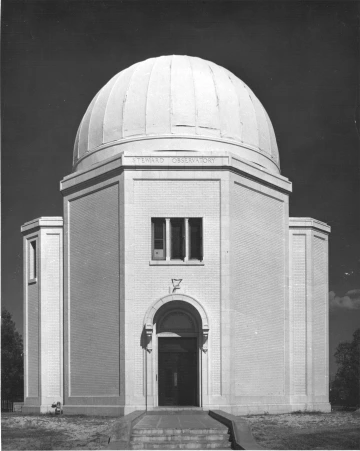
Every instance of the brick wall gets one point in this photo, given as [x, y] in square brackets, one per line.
[33, 341]
[320, 306]
[51, 314]
[258, 287]
[298, 279]
[94, 304]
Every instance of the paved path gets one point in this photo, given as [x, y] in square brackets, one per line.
[182, 421]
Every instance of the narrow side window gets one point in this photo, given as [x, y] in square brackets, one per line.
[158, 239]
[177, 234]
[32, 260]
[195, 239]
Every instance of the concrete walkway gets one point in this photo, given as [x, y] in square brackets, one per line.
[200, 421]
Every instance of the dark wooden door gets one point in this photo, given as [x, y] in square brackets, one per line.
[177, 372]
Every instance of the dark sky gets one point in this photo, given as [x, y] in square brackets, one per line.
[300, 59]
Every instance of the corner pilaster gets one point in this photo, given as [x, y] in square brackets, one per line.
[43, 319]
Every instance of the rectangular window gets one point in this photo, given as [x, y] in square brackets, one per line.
[32, 260]
[195, 239]
[177, 239]
[159, 240]
[177, 234]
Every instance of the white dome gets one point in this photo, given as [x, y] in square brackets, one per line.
[169, 100]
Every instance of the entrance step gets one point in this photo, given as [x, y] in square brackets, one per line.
[179, 431]
[177, 411]
[190, 445]
[183, 441]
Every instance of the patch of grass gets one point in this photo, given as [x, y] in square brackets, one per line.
[306, 430]
[32, 438]
[48, 432]
[326, 439]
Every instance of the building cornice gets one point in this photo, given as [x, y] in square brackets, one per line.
[309, 223]
[175, 161]
[43, 221]
[172, 142]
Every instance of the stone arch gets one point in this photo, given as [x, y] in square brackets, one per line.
[150, 314]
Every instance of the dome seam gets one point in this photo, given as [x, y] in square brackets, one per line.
[88, 112]
[258, 112]
[147, 91]
[269, 133]
[273, 152]
[239, 106]
[194, 90]
[249, 93]
[107, 103]
[125, 98]
[91, 114]
[76, 147]
[171, 99]
[217, 98]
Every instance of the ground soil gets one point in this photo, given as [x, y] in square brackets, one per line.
[46, 432]
[335, 430]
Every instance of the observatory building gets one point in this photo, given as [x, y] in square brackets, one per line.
[175, 276]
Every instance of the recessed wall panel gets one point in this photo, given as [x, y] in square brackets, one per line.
[298, 322]
[33, 341]
[94, 308]
[51, 296]
[319, 315]
[258, 285]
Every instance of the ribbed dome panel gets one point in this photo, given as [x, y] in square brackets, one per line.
[183, 112]
[206, 103]
[228, 104]
[176, 96]
[113, 120]
[248, 121]
[96, 127]
[158, 106]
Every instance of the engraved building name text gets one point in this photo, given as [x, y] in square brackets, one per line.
[174, 160]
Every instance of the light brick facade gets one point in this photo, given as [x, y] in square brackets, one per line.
[256, 301]
[43, 313]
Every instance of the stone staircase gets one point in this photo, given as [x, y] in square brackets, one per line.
[190, 432]
[179, 439]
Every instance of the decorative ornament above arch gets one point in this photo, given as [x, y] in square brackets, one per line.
[150, 314]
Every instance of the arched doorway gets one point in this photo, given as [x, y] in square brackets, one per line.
[177, 334]
[178, 357]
